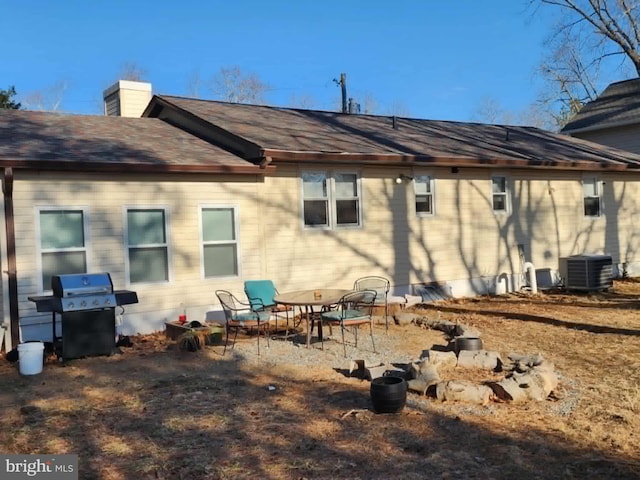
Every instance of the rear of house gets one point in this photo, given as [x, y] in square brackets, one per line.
[178, 206]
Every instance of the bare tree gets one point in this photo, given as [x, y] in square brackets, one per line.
[398, 109]
[231, 84]
[49, 99]
[489, 110]
[371, 104]
[304, 101]
[613, 23]
[132, 71]
[537, 116]
[194, 84]
[590, 37]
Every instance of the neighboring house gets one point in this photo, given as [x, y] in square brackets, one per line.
[202, 195]
[612, 119]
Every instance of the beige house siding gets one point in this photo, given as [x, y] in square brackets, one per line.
[462, 241]
[464, 244]
[107, 199]
[625, 138]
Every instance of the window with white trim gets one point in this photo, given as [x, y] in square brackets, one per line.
[331, 200]
[219, 242]
[499, 200]
[423, 189]
[63, 242]
[592, 193]
[147, 245]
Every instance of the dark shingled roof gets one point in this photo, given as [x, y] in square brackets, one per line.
[307, 135]
[100, 143]
[618, 105]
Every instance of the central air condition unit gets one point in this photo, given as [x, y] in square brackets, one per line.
[586, 272]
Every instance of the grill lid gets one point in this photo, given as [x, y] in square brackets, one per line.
[78, 284]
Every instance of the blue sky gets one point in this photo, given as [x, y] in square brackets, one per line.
[439, 59]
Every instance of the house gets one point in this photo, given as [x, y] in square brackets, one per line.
[611, 119]
[200, 195]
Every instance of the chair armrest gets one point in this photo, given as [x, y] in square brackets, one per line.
[257, 305]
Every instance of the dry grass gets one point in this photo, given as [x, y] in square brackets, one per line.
[155, 412]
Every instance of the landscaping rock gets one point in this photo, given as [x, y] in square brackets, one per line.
[358, 367]
[439, 359]
[535, 384]
[524, 363]
[403, 318]
[412, 300]
[422, 375]
[450, 329]
[419, 385]
[467, 331]
[461, 391]
[374, 372]
[483, 359]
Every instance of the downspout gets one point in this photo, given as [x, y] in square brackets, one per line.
[11, 271]
[533, 281]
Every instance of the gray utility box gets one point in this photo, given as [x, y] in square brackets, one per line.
[586, 272]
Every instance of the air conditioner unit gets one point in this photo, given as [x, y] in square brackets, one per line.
[586, 272]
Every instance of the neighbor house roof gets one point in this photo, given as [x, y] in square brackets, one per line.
[41, 140]
[296, 135]
[618, 105]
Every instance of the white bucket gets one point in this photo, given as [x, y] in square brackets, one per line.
[31, 357]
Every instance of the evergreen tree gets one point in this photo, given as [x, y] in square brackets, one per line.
[5, 99]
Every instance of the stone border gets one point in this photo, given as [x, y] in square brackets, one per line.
[528, 377]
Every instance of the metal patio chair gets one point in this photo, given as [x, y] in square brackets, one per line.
[239, 315]
[381, 286]
[352, 310]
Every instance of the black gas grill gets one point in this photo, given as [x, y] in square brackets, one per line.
[86, 303]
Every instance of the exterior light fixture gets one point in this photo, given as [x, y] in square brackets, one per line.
[402, 177]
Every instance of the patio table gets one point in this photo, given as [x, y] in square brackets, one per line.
[322, 297]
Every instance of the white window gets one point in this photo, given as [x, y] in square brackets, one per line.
[331, 200]
[315, 199]
[63, 242]
[499, 194]
[147, 246]
[219, 242]
[423, 188]
[592, 193]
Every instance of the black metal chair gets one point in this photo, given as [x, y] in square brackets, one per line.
[380, 285]
[239, 315]
[352, 310]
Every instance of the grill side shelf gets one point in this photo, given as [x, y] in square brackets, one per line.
[46, 303]
[126, 297]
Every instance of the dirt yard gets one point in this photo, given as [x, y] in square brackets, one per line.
[154, 412]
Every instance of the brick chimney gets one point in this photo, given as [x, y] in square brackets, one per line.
[126, 98]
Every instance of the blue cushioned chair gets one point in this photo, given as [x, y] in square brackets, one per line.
[353, 309]
[239, 315]
[260, 294]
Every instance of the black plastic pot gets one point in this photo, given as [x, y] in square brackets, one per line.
[388, 394]
[468, 343]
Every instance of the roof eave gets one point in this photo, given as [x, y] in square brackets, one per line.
[600, 126]
[287, 156]
[137, 168]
